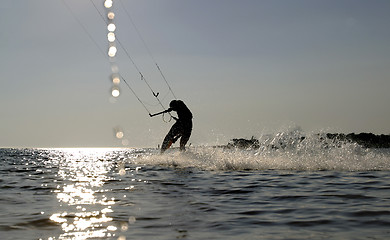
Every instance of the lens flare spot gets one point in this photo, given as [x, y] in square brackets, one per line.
[122, 172]
[115, 92]
[124, 226]
[111, 15]
[125, 142]
[119, 134]
[111, 27]
[112, 100]
[108, 3]
[114, 68]
[111, 37]
[112, 51]
[116, 80]
[132, 220]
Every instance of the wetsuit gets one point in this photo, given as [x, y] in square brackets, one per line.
[181, 129]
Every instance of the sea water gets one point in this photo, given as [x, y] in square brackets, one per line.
[311, 189]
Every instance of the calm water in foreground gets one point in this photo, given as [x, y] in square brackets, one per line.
[205, 193]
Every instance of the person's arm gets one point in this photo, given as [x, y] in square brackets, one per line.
[166, 111]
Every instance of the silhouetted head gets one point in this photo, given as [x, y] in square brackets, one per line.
[173, 104]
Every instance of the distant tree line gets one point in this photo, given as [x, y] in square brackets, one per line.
[367, 140]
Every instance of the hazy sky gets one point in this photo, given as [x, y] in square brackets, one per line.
[244, 67]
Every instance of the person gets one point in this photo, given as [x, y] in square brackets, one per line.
[181, 129]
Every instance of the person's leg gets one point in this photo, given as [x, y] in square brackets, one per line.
[170, 138]
[183, 141]
[185, 136]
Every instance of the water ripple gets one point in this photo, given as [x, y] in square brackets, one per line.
[131, 194]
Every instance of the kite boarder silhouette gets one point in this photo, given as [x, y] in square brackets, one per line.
[181, 129]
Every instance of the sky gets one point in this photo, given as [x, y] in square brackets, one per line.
[248, 67]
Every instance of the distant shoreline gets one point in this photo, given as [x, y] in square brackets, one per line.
[366, 140]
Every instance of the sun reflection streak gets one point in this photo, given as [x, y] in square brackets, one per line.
[84, 208]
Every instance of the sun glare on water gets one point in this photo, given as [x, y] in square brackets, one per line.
[83, 207]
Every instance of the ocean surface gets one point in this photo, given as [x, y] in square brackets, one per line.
[307, 189]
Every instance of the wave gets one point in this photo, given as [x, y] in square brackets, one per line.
[281, 151]
[28, 224]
